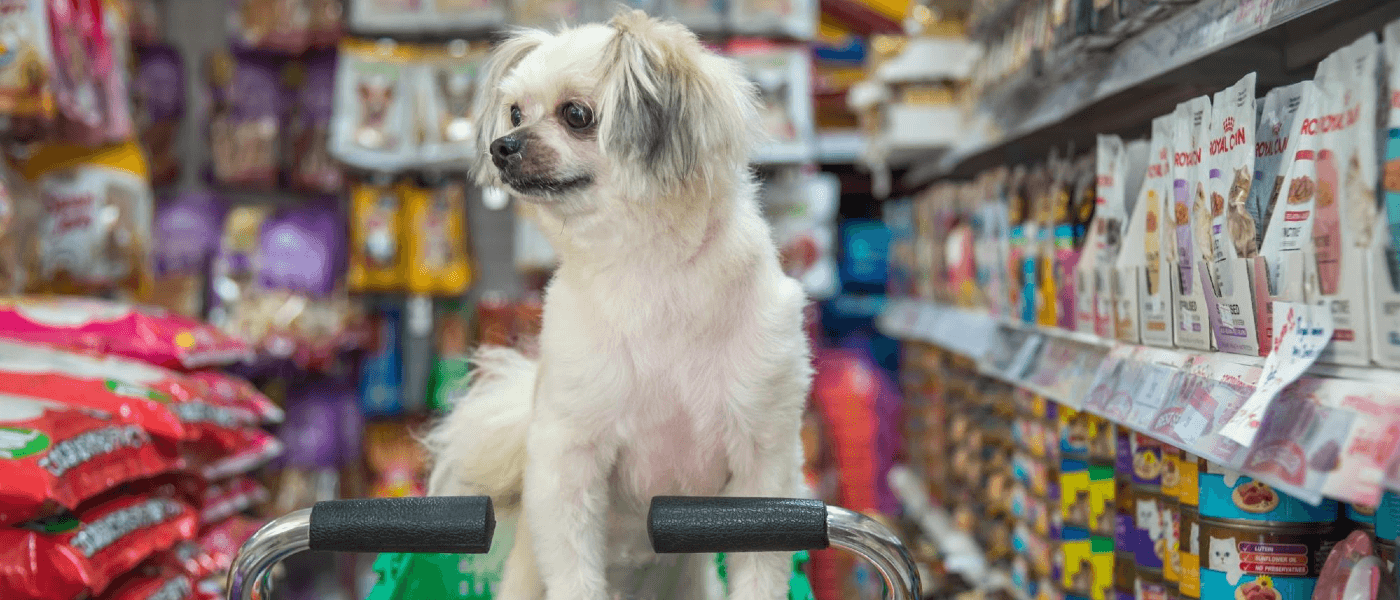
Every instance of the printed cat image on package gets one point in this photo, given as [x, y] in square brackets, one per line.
[376, 238]
[371, 128]
[1229, 164]
[1191, 219]
[1156, 251]
[26, 68]
[436, 247]
[1289, 234]
[447, 82]
[94, 233]
[1346, 209]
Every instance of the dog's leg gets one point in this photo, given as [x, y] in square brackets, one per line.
[566, 495]
[764, 472]
[521, 580]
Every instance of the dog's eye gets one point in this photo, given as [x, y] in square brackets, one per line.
[516, 116]
[577, 116]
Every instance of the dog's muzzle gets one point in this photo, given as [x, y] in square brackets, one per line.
[508, 151]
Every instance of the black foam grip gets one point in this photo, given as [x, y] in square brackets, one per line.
[683, 524]
[445, 524]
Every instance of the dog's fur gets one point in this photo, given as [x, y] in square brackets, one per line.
[673, 359]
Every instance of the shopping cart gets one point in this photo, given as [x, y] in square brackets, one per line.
[465, 525]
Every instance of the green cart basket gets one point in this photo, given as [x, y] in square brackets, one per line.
[450, 548]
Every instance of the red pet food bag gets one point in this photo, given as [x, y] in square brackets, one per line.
[59, 455]
[147, 334]
[65, 556]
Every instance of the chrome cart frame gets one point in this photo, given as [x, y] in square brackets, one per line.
[465, 525]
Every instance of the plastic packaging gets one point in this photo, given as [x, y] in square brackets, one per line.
[187, 235]
[436, 250]
[310, 166]
[66, 555]
[26, 73]
[90, 87]
[377, 236]
[446, 89]
[159, 93]
[273, 25]
[246, 98]
[373, 114]
[399, 16]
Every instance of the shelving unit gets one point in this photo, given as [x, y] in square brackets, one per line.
[1080, 92]
[1167, 393]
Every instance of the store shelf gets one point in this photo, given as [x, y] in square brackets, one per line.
[1201, 49]
[1332, 434]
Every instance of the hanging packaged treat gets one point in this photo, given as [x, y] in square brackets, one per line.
[159, 106]
[89, 45]
[376, 232]
[701, 16]
[795, 19]
[440, 16]
[187, 235]
[273, 25]
[234, 267]
[437, 260]
[783, 77]
[93, 235]
[446, 87]
[373, 120]
[301, 253]
[19, 216]
[26, 69]
[246, 98]
[381, 376]
[310, 166]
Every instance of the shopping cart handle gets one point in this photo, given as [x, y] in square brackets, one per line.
[455, 525]
[684, 524]
[679, 524]
[447, 524]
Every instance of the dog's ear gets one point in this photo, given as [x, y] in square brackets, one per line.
[671, 107]
[491, 113]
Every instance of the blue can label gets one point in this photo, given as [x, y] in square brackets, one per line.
[1148, 538]
[1229, 495]
[1362, 515]
[1388, 517]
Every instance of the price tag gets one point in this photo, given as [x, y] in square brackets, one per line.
[1301, 332]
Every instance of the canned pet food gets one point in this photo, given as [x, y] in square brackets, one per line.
[1228, 495]
[1074, 434]
[1247, 561]
[1088, 564]
[1189, 553]
[1123, 515]
[1169, 511]
[1102, 444]
[1147, 539]
[1171, 472]
[1388, 517]
[1188, 491]
[1363, 516]
[1146, 461]
[1086, 496]
[1124, 576]
[1149, 585]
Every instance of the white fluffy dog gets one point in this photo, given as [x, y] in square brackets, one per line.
[673, 359]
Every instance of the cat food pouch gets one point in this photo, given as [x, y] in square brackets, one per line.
[437, 261]
[282, 26]
[1290, 224]
[59, 455]
[1391, 176]
[1230, 167]
[93, 234]
[1346, 206]
[144, 334]
[187, 235]
[376, 238]
[1276, 114]
[1190, 214]
[159, 94]
[446, 87]
[26, 69]
[310, 166]
[67, 555]
[246, 99]
[373, 108]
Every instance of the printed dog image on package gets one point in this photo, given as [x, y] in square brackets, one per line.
[446, 88]
[1191, 218]
[437, 261]
[373, 110]
[376, 238]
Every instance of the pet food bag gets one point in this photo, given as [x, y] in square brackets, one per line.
[186, 236]
[90, 49]
[26, 69]
[373, 119]
[310, 166]
[282, 26]
[159, 94]
[376, 238]
[246, 98]
[437, 261]
[446, 87]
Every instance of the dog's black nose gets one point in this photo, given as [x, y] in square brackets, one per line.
[506, 149]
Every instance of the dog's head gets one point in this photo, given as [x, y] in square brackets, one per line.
[632, 110]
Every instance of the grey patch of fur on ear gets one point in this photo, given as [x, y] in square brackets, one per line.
[491, 114]
[671, 108]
